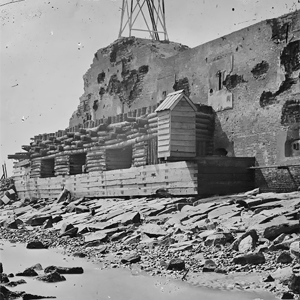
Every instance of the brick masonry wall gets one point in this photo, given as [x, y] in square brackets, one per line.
[259, 67]
[265, 86]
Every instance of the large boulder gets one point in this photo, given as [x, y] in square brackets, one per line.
[218, 239]
[176, 264]
[51, 277]
[4, 278]
[38, 220]
[274, 230]
[7, 294]
[250, 258]
[284, 258]
[294, 284]
[64, 270]
[209, 266]
[131, 259]
[47, 224]
[153, 230]
[295, 249]
[11, 224]
[65, 227]
[35, 245]
[30, 272]
[15, 283]
[79, 209]
[131, 217]
[71, 232]
[246, 242]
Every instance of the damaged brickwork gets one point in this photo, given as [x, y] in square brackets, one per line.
[122, 74]
[253, 74]
[290, 112]
[260, 70]
[231, 81]
[290, 60]
[182, 84]
[130, 87]
[280, 29]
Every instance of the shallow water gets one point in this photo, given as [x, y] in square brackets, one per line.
[97, 284]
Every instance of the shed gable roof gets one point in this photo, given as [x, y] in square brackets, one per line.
[172, 100]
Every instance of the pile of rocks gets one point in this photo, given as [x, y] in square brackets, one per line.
[219, 241]
[50, 274]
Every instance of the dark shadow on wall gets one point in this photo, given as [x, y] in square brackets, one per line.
[222, 145]
[260, 179]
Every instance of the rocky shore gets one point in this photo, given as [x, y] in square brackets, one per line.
[248, 241]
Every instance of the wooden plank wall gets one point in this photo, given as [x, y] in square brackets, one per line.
[183, 133]
[164, 133]
[225, 175]
[179, 178]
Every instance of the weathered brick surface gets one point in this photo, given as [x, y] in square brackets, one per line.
[266, 61]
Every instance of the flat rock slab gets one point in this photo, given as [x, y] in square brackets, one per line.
[295, 248]
[182, 246]
[222, 211]
[131, 259]
[153, 230]
[38, 220]
[27, 296]
[71, 232]
[95, 236]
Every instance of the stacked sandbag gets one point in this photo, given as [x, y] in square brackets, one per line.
[139, 154]
[77, 150]
[35, 168]
[61, 166]
[152, 126]
[95, 160]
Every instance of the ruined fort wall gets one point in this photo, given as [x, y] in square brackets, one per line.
[122, 78]
[251, 79]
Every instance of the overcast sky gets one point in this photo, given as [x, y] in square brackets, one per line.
[47, 46]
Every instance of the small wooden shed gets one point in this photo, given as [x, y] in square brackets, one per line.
[176, 127]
